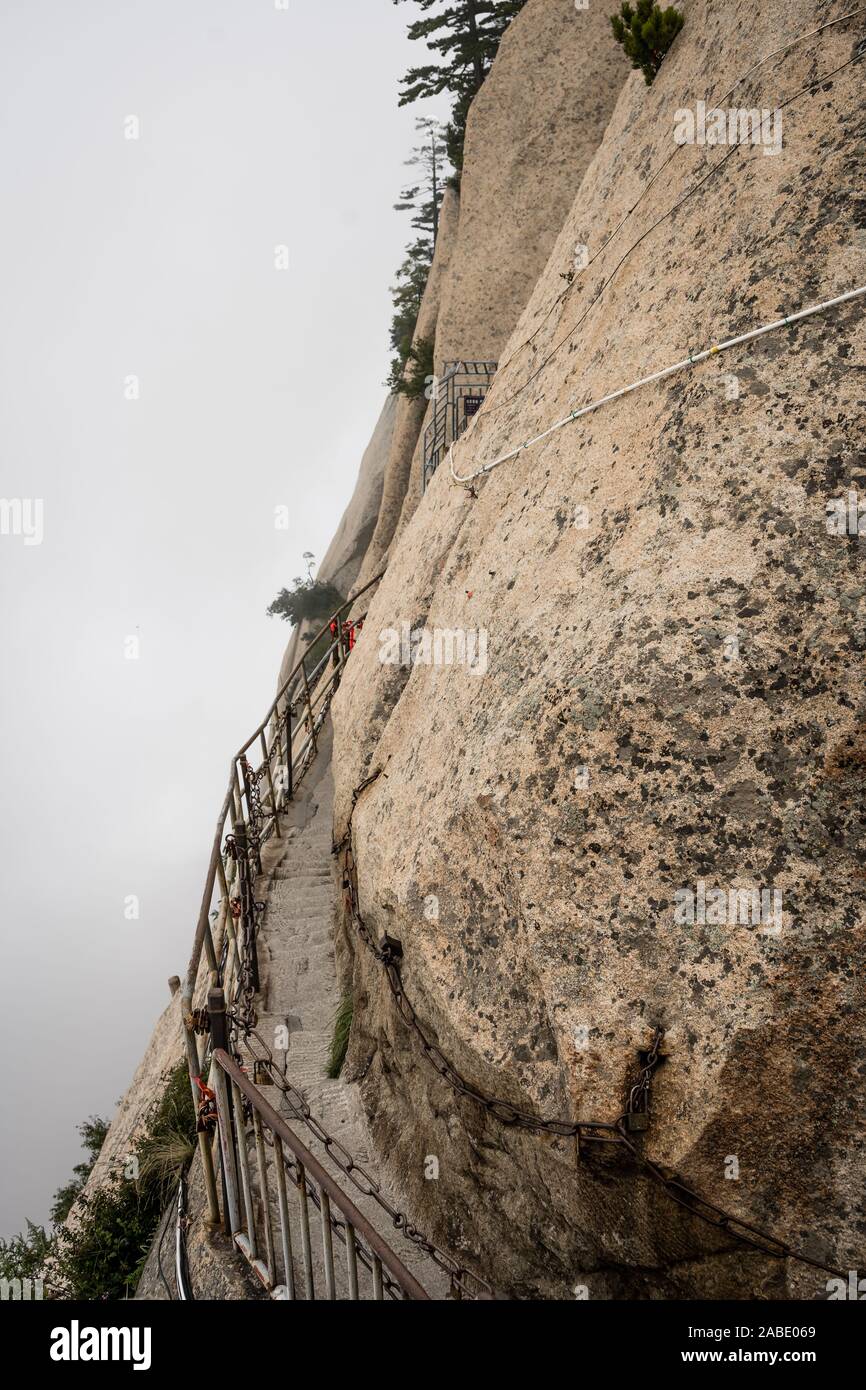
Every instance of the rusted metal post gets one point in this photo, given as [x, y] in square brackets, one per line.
[352, 1262]
[278, 740]
[228, 922]
[210, 949]
[247, 1239]
[238, 796]
[216, 1005]
[248, 913]
[340, 661]
[204, 1148]
[290, 781]
[327, 1246]
[285, 1225]
[269, 1269]
[313, 739]
[267, 758]
[306, 1247]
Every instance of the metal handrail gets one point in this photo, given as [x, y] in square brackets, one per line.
[203, 924]
[254, 801]
[362, 1243]
[252, 815]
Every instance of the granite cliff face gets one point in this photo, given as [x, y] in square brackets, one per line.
[670, 702]
[532, 130]
[409, 414]
[345, 555]
[664, 702]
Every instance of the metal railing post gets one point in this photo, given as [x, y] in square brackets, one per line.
[285, 1222]
[204, 1146]
[210, 949]
[270, 1265]
[228, 921]
[290, 777]
[248, 912]
[216, 1005]
[267, 758]
[327, 1246]
[278, 740]
[310, 716]
[237, 794]
[252, 1250]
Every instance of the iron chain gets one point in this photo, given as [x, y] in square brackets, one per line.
[617, 1132]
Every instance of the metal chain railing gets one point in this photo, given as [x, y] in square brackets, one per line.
[619, 1132]
[241, 1102]
[464, 1283]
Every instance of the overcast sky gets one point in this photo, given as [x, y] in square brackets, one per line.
[154, 258]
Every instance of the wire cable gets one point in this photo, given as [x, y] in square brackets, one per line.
[691, 360]
[791, 43]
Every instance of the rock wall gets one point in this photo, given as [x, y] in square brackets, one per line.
[345, 554]
[671, 696]
[532, 130]
[531, 133]
[410, 413]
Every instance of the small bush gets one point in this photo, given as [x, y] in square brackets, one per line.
[646, 33]
[24, 1256]
[93, 1132]
[340, 1040]
[312, 599]
[101, 1257]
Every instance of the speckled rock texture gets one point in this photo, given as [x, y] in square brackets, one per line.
[673, 696]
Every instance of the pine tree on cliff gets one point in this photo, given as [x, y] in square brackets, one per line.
[646, 33]
[407, 293]
[425, 197]
[412, 363]
[466, 36]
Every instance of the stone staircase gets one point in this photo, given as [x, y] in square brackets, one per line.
[300, 995]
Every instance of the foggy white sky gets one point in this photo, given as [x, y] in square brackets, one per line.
[258, 387]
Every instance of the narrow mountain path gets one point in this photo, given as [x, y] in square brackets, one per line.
[300, 996]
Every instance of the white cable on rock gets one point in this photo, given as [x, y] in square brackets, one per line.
[790, 43]
[690, 361]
